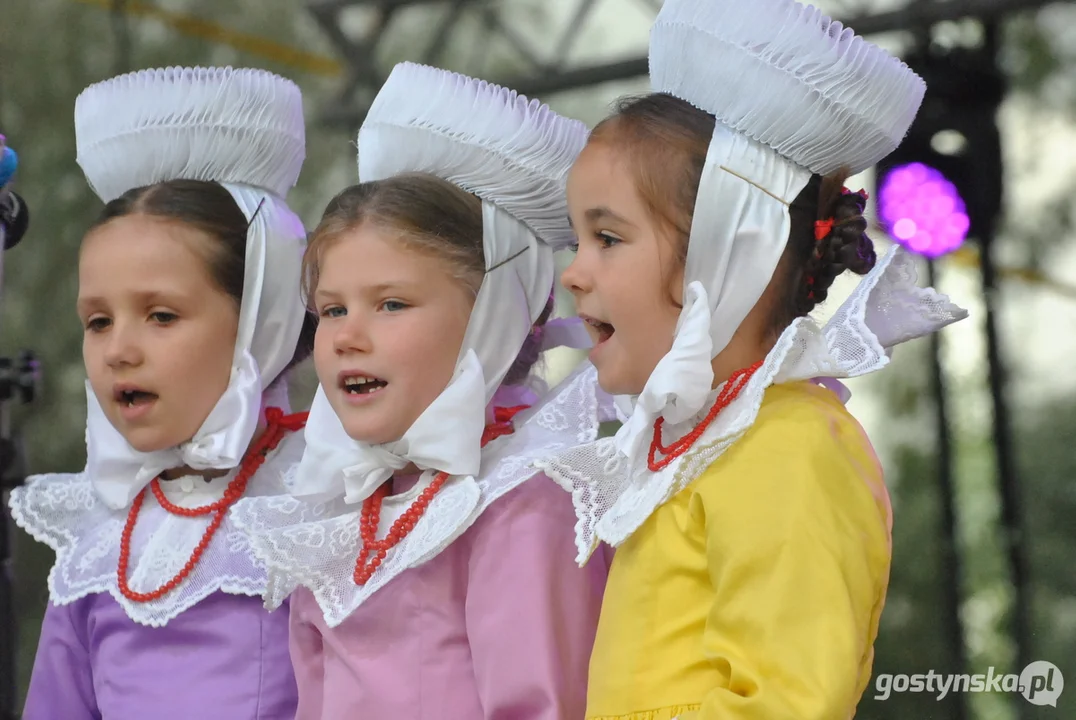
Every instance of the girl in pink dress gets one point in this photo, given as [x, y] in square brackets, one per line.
[435, 576]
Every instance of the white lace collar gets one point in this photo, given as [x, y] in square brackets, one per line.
[614, 493]
[64, 512]
[316, 544]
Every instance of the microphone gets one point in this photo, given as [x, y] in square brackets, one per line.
[17, 380]
[14, 215]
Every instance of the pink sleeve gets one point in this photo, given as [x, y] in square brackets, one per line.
[307, 655]
[62, 682]
[531, 612]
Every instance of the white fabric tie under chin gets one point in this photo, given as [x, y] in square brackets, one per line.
[446, 437]
[219, 444]
[681, 381]
[332, 458]
[739, 229]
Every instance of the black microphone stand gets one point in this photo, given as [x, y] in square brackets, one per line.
[18, 381]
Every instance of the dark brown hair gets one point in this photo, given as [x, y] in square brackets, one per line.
[210, 208]
[810, 266]
[667, 140]
[433, 217]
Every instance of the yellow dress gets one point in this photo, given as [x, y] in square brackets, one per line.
[755, 593]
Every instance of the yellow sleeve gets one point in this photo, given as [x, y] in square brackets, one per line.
[798, 550]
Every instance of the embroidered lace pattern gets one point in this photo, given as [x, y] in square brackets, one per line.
[64, 512]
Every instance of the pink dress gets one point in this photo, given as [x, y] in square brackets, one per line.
[480, 613]
[499, 626]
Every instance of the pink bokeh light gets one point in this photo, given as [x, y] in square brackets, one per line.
[923, 210]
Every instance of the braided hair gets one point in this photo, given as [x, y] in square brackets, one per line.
[828, 236]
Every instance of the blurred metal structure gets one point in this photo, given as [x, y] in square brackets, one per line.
[543, 62]
[545, 70]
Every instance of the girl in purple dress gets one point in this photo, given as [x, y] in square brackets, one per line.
[189, 299]
[434, 565]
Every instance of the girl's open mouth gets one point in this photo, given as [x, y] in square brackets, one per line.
[604, 329]
[361, 384]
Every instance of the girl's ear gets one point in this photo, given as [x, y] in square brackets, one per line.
[672, 254]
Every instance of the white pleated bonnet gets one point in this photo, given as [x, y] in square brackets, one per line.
[241, 128]
[787, 76]
[487, 139]
[794, 93]
[215, 124]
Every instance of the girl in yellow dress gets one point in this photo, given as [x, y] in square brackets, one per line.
[748, 510]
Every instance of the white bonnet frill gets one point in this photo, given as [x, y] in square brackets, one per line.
[243, 129]
[794, 93]
[514, 154]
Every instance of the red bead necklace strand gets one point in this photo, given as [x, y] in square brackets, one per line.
[371, 506]
[736, 383]
[278, 425]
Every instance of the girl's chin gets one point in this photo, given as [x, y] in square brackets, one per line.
[619, 378]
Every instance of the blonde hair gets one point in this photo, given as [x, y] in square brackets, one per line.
[431, 216]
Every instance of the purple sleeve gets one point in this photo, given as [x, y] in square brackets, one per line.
[307, 656]
[62, 684]
[531, 612]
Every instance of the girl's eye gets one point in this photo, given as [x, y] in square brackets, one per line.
[97, 324]
[393, 306]
[574, 247]
[164, 317]
[607, 240]
[333, 311]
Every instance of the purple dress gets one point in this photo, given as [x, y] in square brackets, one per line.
[225, 658]
[208, 650]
